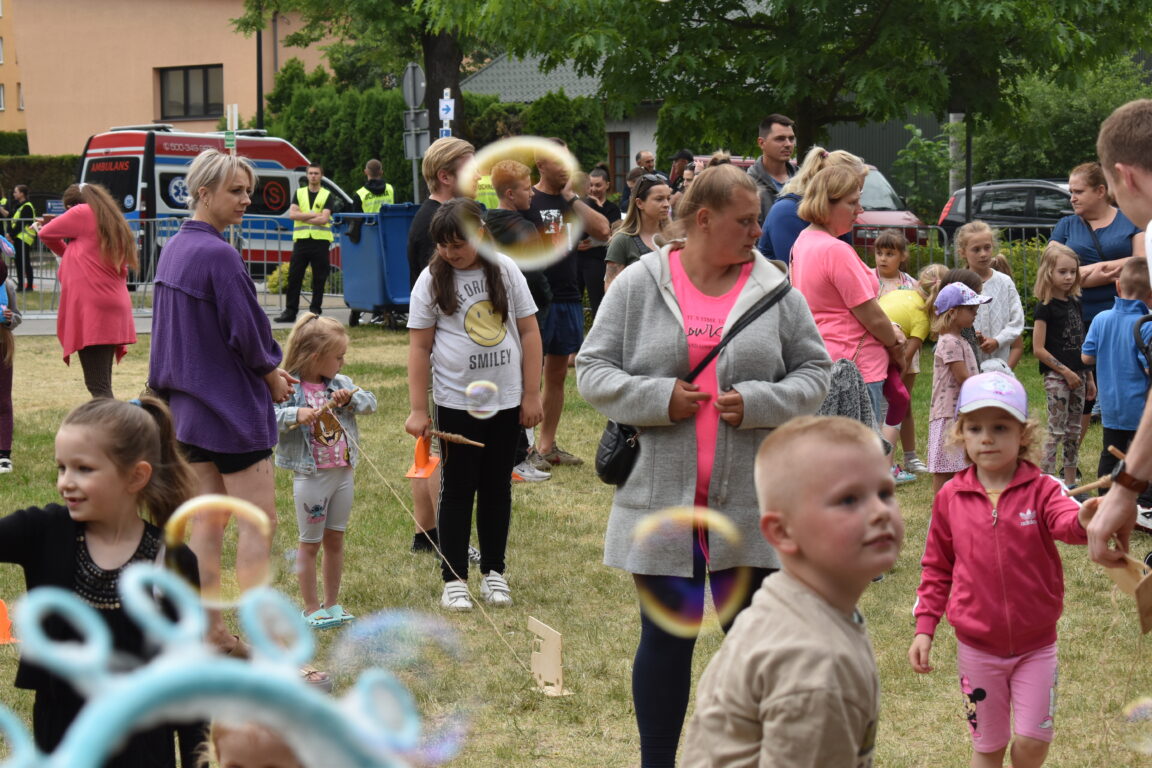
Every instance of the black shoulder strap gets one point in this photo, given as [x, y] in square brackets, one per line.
[757, 309]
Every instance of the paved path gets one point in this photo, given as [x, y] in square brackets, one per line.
[45, 325]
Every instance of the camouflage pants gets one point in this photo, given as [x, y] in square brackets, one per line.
[1065, 407]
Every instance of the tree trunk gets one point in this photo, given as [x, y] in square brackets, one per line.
[442, 59]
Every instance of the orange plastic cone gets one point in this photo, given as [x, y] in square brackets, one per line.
[423, 463]
[5, 626]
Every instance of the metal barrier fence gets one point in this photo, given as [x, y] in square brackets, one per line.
[264, 245]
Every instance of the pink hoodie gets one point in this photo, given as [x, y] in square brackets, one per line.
[996, 572]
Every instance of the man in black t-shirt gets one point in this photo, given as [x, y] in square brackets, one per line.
[555, 206]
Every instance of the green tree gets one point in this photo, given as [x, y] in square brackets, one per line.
[720, 65]
[579, 121]
[374, 36]
[921, 169]
[1055, 125]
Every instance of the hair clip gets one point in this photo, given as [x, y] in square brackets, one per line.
[136, 401]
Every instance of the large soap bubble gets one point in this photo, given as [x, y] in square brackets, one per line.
[519, 163]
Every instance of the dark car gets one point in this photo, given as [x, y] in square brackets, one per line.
[1020, 208]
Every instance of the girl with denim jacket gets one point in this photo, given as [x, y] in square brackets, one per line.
[322, 453]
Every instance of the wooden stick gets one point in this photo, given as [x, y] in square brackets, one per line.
[326, 407]
[1116, 452]
[1103, 482]
[452, 437]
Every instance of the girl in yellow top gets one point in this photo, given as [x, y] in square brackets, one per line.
[911, 311]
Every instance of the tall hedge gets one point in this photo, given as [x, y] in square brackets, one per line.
[45, 175]
[342, 128]
[13, 143]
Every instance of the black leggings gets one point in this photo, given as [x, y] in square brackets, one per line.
[662, 672]
[96, 361]
[483, 475]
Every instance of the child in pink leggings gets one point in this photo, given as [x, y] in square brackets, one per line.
[991, 564]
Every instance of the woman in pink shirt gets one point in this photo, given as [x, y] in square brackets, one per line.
[96, 247]
[840, 288]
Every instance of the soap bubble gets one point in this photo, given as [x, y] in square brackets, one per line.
[225, 524]
[1136, 725]
[483, 399]
[557, 233]
[424, 654]
[674, 604]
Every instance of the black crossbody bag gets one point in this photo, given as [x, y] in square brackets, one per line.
[620, 443]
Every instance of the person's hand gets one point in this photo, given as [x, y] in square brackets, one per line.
[731, 407]
[685, 401]
[920, 653]
[1073, 379]
[897, 356]
[1114, 516]
[989, 345]
[280, 384]
[1090, 390]
[341, 398]
[418, 424]
[305, 416]
[584, 244]
[531, 409]
[1088, 511]
[8, 315]
[1109, 270]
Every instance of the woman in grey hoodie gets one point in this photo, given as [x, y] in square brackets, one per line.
[659, 318]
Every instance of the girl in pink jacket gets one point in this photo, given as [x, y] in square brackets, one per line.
[991, 563]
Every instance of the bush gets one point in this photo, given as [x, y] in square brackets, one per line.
[13, 143]
[579, 121]
[277, 280]
[45, 175]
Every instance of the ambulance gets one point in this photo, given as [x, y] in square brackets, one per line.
[144, 167]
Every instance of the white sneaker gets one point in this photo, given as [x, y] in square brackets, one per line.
[914, 464]
[5, 465]
[526, 473]
[456, 597]
[494, 589]
[1144, 519]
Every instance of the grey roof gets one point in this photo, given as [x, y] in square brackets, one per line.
[520, 80]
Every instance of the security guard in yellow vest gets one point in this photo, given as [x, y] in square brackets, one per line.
[311, 214]
[23, 237]
[376, 192]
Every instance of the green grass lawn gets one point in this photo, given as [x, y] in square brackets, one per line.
[555, 573]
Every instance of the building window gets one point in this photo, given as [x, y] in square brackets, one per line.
[3, 106]
[192, 92]
[20, 96]
[1, 50]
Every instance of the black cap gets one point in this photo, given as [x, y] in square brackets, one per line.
[684, 154]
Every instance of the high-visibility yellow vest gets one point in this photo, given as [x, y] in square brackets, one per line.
[26, 235]
[302, 230]
[371, 203]
[486, 193]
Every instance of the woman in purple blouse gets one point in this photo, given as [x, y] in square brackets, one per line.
[214, 360]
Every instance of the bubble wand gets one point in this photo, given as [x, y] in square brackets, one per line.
[326, 407]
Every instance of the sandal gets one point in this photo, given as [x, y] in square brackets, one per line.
[338, 613]
[313, 676]
[320, 619]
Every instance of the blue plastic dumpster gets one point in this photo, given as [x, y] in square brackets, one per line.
[376, 265]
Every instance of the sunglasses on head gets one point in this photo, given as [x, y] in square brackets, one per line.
[647, 181]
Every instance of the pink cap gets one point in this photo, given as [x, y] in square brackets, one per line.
[994, 390]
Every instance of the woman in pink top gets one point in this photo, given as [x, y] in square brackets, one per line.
[96, 247]
[839, 286]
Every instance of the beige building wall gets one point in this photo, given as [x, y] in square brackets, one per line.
[88, 66]
[11, 110]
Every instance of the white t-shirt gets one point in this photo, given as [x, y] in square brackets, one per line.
[472, 344]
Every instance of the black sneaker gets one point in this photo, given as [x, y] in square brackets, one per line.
[284, 317]
[421, 543]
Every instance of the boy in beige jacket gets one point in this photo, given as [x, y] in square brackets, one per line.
[795, 683]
